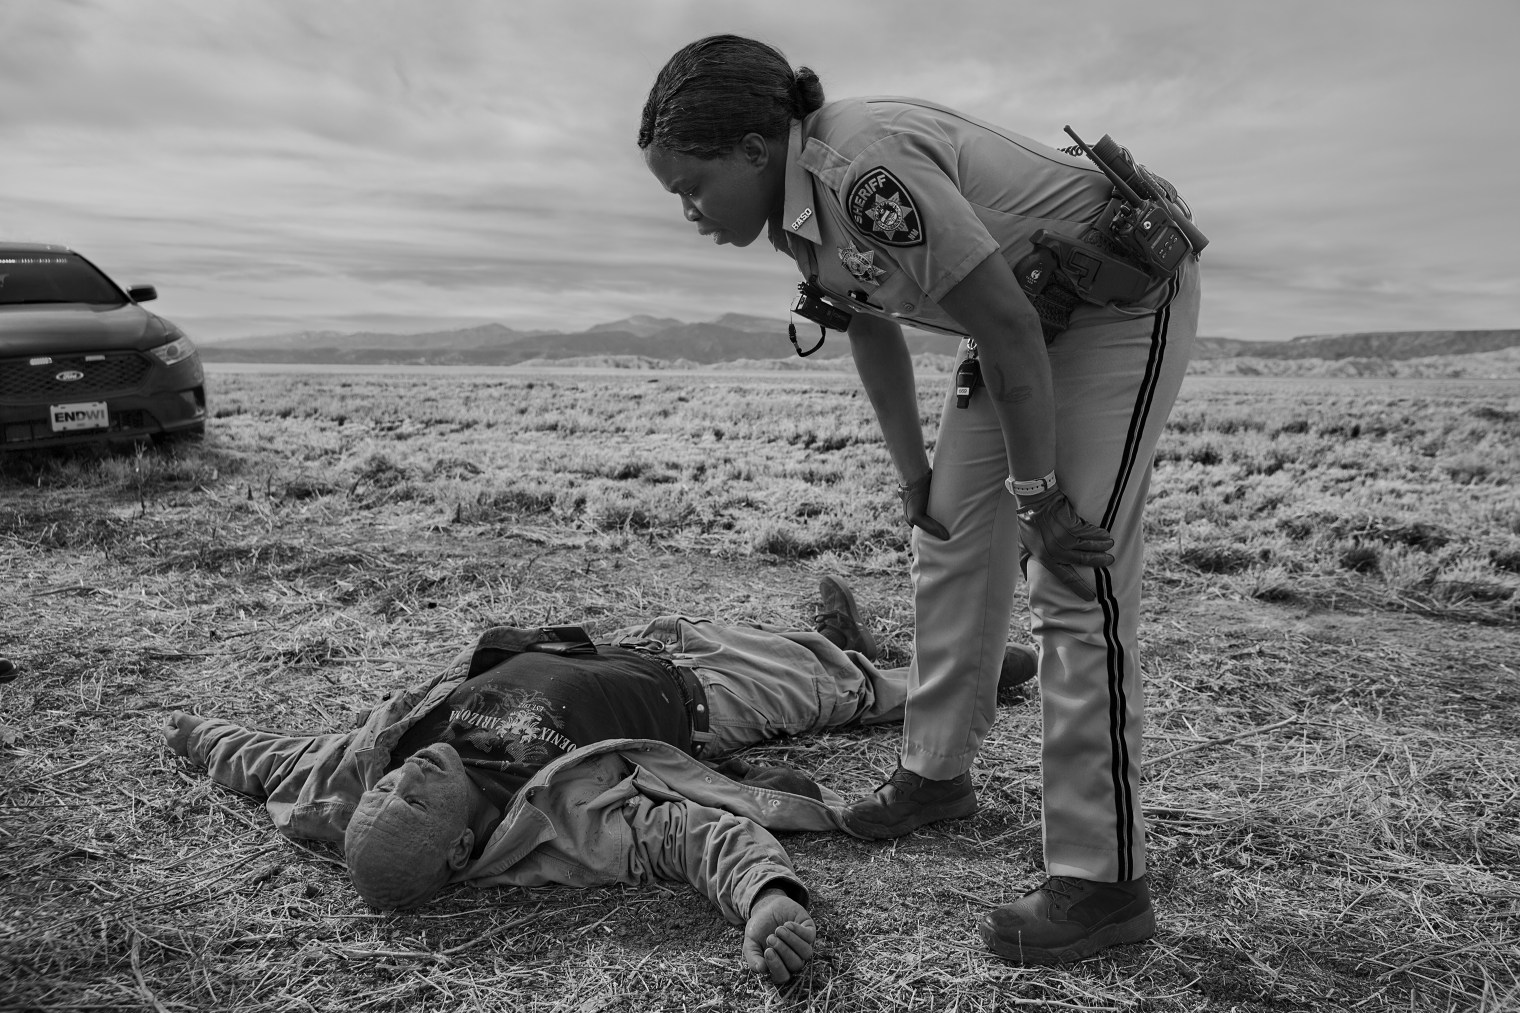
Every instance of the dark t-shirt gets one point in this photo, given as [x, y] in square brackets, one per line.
[511, 719]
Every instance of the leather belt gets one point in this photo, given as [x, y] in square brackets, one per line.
[694, 695]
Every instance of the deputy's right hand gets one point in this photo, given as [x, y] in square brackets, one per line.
[915, 501]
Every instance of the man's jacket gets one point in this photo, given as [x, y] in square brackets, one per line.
[619, 811]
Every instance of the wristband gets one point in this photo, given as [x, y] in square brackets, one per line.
[1032, 487]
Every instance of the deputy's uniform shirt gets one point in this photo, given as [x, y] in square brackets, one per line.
[510, 720]
[891, 202]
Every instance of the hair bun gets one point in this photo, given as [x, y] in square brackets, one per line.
[807, 91]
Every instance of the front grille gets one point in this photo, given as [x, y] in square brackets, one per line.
[111, 372]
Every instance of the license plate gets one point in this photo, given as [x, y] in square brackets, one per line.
[84, 415]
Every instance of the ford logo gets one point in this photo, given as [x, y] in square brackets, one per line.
[69, 376]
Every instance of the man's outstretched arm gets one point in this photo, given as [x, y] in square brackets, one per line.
[243, 759]
[738, 865]
[308, 788]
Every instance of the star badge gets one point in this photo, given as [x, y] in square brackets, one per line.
[860, 264]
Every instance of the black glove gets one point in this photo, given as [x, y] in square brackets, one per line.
[915, 501]
[1051, 532]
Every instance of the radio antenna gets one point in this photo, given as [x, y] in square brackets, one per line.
[1114, 177]
[1183, 222]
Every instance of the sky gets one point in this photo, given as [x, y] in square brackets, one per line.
[276, 166]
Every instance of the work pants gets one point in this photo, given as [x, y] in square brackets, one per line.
[763, 681]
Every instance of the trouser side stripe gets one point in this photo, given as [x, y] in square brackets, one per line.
[1143, 403]
[1118, 713]
[1124, 803]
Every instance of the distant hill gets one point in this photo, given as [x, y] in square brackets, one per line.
[483, 336]
[641, 324]
[1503, 364]
[1369, 345]
[731, 337]
[737, 336]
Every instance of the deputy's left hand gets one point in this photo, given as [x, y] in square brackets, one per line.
[778, 938]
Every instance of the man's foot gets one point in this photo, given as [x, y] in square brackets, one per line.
[1066, 919]
[838, 619]
[1019, 666]
[907, 801]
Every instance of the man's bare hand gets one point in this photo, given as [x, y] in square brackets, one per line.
[177, 731]
[778, 938]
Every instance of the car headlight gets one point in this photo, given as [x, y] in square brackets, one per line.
[178, 350]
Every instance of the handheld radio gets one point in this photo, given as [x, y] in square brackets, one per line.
[1152, 227]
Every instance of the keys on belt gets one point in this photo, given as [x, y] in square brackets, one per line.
[968, 377]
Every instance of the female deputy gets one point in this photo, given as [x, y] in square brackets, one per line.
[899, 209]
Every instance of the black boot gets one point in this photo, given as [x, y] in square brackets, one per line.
[1066, 919]
[1019, 666]
[907, 801]
[838, 619]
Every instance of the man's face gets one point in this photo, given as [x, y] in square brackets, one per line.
[412, 829]
[729, 198]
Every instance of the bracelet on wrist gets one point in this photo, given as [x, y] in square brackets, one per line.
[1030, 487]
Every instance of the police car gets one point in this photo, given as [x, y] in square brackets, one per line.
[82, 362]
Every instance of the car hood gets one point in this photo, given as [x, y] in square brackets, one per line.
[72, 327]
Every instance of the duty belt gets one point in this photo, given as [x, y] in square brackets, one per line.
[1061, 273]
[1054, 305]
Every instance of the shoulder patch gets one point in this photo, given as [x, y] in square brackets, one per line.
[881, 207]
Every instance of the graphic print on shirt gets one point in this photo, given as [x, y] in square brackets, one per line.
[860, 264]
[881, 207]
[505, 720]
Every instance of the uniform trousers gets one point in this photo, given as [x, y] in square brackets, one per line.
[1115, 378]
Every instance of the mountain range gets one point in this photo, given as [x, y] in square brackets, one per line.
[734, 336]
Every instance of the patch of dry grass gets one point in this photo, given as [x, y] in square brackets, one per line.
[1333, 750]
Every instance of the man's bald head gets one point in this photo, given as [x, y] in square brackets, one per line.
[411, 831]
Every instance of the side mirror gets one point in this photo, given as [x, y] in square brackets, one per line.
[141, 293]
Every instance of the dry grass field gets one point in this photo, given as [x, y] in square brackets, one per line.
[1332, 654]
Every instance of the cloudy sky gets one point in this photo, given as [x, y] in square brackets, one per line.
[403, 165]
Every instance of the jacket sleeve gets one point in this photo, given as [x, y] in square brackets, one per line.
[309, 782]
[246, 760]
[729, 859]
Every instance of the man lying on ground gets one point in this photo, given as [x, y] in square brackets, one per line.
[539, 757]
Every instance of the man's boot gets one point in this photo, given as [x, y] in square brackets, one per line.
[1020, 664]
[838, 619]
[1066, 919]
[907, 801]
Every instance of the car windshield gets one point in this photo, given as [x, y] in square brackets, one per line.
[30, 278]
